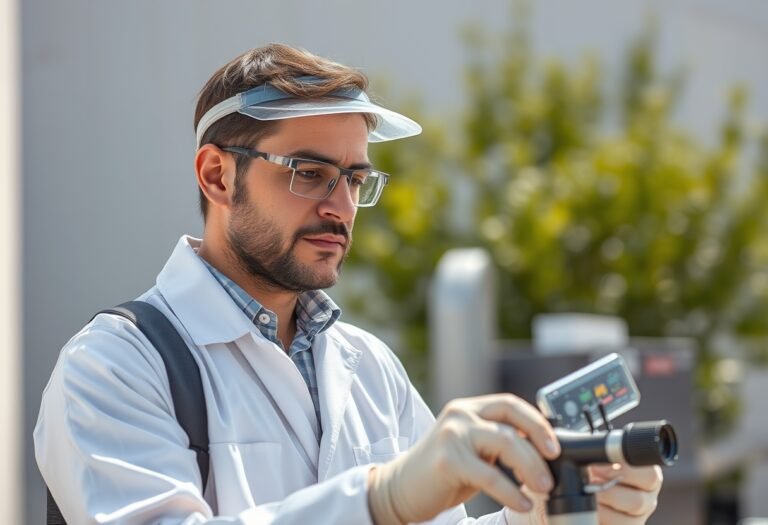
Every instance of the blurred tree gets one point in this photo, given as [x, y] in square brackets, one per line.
[587, 203]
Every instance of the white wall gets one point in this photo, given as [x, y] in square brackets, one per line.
[11, 482]
[108, 98]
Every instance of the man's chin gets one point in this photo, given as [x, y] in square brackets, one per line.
[324, 273]
[324, 283]
[316, 280]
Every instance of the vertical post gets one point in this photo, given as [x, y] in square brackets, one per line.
[462, 325]
[11, 452]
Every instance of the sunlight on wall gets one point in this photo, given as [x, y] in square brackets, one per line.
[10, 276]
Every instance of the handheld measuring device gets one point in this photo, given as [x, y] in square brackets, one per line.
[605, 382]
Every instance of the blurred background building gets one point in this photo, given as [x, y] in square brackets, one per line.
[97, 142]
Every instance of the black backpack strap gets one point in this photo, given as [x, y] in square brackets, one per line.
[53, 516]
[183, 377]
[183, 374]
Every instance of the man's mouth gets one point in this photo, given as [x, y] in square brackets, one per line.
[327, 242]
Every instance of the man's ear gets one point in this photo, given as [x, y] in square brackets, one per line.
[215, 170]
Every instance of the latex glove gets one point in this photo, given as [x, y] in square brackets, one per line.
[456, 459]
[633, 500]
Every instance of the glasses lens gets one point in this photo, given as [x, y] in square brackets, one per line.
[366, 184]
[313, 179]
[316, 180]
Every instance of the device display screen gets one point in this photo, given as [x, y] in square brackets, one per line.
[605, 382]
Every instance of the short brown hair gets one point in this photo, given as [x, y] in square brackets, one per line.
[279, 65]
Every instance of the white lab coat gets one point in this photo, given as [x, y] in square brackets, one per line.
[111, 451]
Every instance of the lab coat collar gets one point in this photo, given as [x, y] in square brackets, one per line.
[197, 299]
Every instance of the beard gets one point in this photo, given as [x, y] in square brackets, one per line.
[260, 250]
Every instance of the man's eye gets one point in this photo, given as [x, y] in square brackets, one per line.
[309, 174]
[357, 180]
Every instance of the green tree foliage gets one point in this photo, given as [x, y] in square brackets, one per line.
[587, 202]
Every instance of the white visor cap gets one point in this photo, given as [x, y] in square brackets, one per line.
[266, 102]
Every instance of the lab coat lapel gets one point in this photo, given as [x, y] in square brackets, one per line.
[287, 390]
[336, 365]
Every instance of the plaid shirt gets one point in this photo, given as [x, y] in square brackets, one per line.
[315, 312]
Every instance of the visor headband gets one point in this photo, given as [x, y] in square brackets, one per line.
[264, 94]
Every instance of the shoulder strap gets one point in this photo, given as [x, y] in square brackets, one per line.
[53, 515]
[183, 374]
[183, 377]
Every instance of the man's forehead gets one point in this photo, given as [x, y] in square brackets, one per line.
[340, 138]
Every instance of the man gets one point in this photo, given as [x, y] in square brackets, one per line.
[311, 420]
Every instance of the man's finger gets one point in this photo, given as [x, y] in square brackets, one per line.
[644, 478]
[496, 440]
[629, 501]
[602, 473]
[609, 516]
[491, 481]
[509, 409]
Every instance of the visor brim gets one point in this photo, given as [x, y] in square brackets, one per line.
[390, 124]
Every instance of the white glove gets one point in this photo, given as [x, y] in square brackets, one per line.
[630, 502]
[633, 500]
[456, 459]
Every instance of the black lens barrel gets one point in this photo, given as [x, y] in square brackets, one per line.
[649, 443]
[638, 444]
[582, 448]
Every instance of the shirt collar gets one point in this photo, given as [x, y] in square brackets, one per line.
[316, 312]
[243, 300]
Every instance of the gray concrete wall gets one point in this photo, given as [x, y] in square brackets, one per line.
[108, 96]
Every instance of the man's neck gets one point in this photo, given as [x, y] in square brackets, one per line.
[281, 302]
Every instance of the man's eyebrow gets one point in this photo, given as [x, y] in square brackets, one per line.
[313, 155]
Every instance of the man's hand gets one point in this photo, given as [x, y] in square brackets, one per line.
[456, 459]
[633, 500]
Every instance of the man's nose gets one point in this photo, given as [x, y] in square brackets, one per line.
[340, 204]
